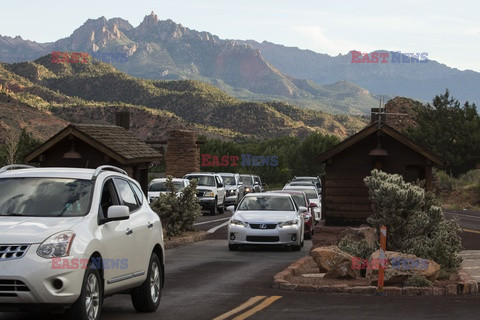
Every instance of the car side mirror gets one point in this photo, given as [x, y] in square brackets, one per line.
[302, 209]
[231, 208]
[256, 184]
[312, 205]
[116, 213]
[220, 185]
[240, 183]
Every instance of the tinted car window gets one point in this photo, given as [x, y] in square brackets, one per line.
[272, 203]
[45, 197]
[126, 194]
[310, 193]
[229, 180]
[208, 181]
[247, 180]
[138, 192]
[161, 186]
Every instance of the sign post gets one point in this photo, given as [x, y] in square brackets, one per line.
[382, 264]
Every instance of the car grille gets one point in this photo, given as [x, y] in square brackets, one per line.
[263, 239]
[10, 252]
[7, 286]
[263, 226]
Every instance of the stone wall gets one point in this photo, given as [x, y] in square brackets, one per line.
[183, 153]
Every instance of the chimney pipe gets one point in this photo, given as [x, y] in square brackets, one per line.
[122, 119]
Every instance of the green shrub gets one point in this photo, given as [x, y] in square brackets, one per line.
[417, 281]
[359, 249]
[178, 213]
[444, 275]
[414, 220]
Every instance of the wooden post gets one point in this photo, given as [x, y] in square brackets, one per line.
[382, 264]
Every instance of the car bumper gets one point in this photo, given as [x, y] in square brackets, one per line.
[207, 203]
[277, 236]
[231, 200]
[30, 281]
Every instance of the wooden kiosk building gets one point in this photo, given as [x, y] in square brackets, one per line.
[91, 145]
[345, 197]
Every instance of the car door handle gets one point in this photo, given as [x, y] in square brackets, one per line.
[129, 232]
[150, 225]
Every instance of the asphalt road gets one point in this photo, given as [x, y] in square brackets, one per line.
[470, 223]
[206, 281]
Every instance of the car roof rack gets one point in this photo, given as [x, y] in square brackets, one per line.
[15, 166]
[107, 168]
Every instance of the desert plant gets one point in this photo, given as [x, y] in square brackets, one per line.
[178, 212]
[414, 220]
[359, 249]
[417, 281]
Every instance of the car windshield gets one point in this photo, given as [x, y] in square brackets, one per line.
[310, 193]
[161, 186]
[207, 181]
[247, 180]
[45, 197]
[272, 203]
[229, 180]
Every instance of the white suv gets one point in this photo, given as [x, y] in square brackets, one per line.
[210, 191]
[69, 237]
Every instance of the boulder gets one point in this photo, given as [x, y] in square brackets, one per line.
[362, 232]
[329, 257]
[401, 266]
[343, 270]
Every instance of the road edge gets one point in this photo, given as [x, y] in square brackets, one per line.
[181, 241]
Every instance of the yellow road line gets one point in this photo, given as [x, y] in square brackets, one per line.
[470, 230]
[250, 302]
[259, 307]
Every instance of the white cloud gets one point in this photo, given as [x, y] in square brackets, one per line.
[328, 44]
[472, 32]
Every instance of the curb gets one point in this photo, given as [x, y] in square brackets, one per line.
[173, 243]
[465, 285]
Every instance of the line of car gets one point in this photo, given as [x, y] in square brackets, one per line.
[215, 191]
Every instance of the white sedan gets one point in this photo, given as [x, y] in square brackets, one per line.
[266, 219]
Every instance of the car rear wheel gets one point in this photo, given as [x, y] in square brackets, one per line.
[88, 305]
[146, 298]
[214, 209]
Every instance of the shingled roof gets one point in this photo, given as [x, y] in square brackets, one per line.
[114, 141]
[386, 129]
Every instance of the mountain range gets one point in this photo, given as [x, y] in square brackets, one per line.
[166, 50]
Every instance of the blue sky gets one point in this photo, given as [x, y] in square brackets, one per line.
[448, 30]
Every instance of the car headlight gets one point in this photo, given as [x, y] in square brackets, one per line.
[290, 223]
[209, 194]
[248, 189]
[58, 245]
[231, 192]
[237, 223]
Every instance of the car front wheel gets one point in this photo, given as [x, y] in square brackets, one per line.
[146, 298]
[89, 304]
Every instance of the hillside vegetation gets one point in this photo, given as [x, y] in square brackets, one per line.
[92, 92]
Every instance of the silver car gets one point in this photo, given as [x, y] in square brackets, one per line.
[266, 218]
